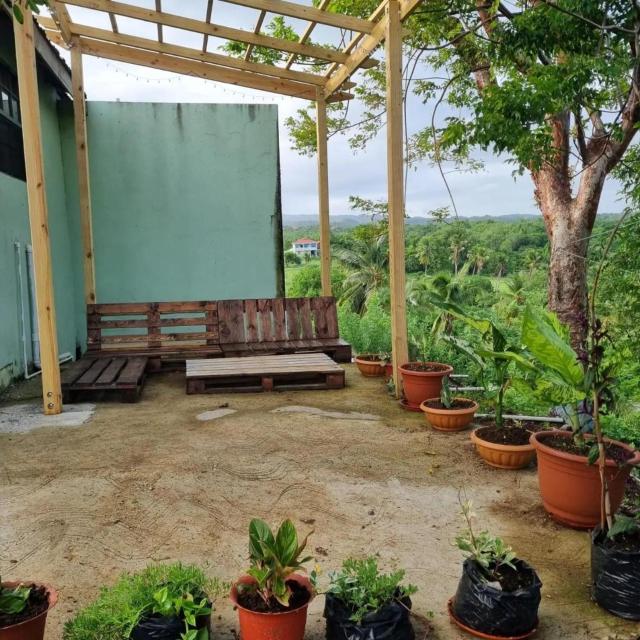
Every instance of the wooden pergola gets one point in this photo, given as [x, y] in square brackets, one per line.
[384, 24]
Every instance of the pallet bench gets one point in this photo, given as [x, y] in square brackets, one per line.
[119, 377]
[264, 373]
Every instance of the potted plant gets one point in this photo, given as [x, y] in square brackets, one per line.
[498, 594]
[447, 413]
[165, 601]
[273, 598]
[501, 444]
[421, 380]
[371, 365]
[23, 609]
[570, 484]
[364, 604]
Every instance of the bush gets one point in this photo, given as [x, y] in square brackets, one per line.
[291, 258]
[306, 281]
[118, 609]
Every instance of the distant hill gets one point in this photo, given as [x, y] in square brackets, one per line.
[350, 221]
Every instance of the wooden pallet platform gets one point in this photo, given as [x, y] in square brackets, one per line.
[264, 373]
[91, 377]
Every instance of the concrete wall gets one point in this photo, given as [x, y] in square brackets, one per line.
[14, 227]
[186, 201]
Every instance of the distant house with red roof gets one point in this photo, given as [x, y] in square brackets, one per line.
[306, 246]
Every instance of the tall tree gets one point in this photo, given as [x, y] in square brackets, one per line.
[553, 85]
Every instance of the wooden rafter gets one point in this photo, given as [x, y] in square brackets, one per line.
[159, 8]
[62, 19]
[95, 34]
[205, 38]
[307, 32]
[216, 30]
[306, 12]
[256, 29]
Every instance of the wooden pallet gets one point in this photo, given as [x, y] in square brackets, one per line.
[264, 373]
[120, 377]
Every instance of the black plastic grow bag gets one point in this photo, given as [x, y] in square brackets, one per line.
[493, 611]
[392, 622]
[158, 627]
[615, 578]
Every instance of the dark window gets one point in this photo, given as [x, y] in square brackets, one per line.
[11, 149]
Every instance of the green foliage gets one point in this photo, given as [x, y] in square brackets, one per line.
[274, 558]
[186, 607]
[17, 7]
[305, 281]
[364, 589]
[291, 258]
[367, 333]
[445, 393]
[487, 551]
[624, 427]
[117, 610]
[14, 599]
[624, 525]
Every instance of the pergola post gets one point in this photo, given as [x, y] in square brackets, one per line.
[38, 219]
[323, 193]
[395, 170]
[82, 161]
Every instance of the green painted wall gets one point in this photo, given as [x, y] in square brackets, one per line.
[186, 201]
[14, 227]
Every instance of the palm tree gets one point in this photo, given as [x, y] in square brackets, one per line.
[512, 292]
[533, 260]
[478, 258]
[424, 252]
[367, 263]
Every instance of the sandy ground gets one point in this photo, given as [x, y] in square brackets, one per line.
[150, 482]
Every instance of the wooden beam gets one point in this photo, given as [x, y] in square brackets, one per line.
[38, 218]
[306, 12]
[204, 70]
[62, 19]
[114, 23]
[192, 54]
[218, 31]
[323, 193]
[307, 32]
[82, 161]
[395, 186]
[205, 38]
[159, 8]
[256, 29]
[365, 46]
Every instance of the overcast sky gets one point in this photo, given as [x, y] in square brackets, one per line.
[492, 191]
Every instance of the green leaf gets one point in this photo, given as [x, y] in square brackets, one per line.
[17, 13]
[593, 455]
[623, 524]
[286, 543]
[259, 533]
[14, 600]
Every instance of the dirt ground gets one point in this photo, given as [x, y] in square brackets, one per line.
[150, 482]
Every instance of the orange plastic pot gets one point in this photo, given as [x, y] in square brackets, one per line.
[503, 456]
[287, 625]
[448, 419]
[370, 365]
[33, 628]
[388, 370]
[570, 486]
[419, 386]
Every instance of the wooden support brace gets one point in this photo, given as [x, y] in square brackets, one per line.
[323, 193]
[395, 171]
[82, 161]
[38, 219]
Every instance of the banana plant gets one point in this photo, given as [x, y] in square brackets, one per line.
[493, 357]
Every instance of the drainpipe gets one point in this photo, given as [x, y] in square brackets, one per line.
[35, 339]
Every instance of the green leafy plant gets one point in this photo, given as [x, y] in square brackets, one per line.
[445, 393]
[18, 6]
[274, 558]
[14, 599]
[487, 551]
[167, 589]
[363, 588]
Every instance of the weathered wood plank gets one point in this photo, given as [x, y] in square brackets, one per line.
[251, 311]
[110, 373]
[266, 320]
[293, 321]
[279, 320]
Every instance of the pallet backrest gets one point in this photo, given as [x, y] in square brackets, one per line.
[149, 325]
[277, 319]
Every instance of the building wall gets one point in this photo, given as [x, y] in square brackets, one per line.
[186, 201]
[14, 228]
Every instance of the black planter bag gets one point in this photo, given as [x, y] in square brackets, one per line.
[490, 610]
[392, 622]
[158, 627]
[615, 578]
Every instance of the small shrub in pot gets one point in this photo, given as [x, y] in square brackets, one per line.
[364, 604]
[498, 594]
[273, 598]
[23, 610]
[161, 602]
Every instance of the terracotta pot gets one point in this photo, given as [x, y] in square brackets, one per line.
[370, 367]
[388, 370]
[32, 629]
[570, 487]
[448, 419]
[503, 456]
[418, 386]
[288, 625]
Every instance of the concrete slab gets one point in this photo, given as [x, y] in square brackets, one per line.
[23, 418]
